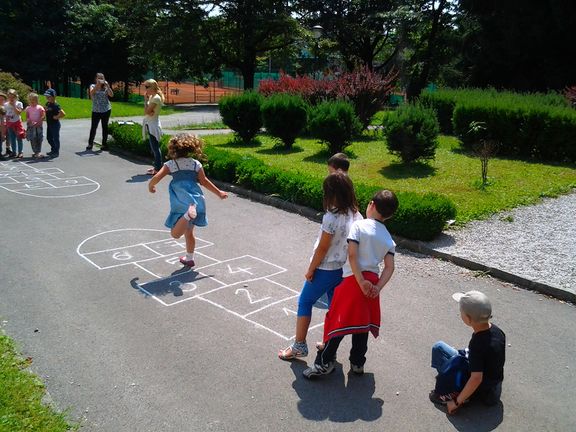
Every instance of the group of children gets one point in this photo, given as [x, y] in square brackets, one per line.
[352, 261]
[12, 129]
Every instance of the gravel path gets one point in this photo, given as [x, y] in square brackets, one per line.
[536, 242]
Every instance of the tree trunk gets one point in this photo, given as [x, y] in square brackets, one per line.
[248, 70]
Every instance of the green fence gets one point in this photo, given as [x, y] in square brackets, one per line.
[73, 89]
[232, 79]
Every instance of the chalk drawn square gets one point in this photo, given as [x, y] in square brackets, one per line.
[281, 317]
[170, 246]
[247, 298]
[69, 182]
[119, 257]
[24, 184]
[184, 286]
[166, 265]
[242, 269]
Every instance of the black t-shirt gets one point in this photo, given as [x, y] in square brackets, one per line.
[487, 354]
[52, 109]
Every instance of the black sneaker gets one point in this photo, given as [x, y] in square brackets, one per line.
[89, 147]
[317, 370]
[437, 399]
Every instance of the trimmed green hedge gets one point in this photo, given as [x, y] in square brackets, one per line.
[537, 126]
[242, 113]
[419, 216]
[128, 136]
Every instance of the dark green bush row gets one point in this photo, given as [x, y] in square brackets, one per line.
[539, 126]
[541, 133]
[419, 216]
[129, 137]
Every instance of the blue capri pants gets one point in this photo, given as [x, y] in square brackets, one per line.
[323, 282]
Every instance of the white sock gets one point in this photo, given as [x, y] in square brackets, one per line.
[187, 217]
[189, 256]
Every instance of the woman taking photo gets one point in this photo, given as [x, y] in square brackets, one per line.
[100, 93]
[151, 128]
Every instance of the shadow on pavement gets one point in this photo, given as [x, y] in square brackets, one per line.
[330, 398]
[139, 178]
[476, 417]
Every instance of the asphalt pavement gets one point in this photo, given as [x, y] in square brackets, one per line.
[127, 340]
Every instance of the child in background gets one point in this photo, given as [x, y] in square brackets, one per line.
[14, 125]
[3, 127]
[338, 163]
[53, 115]
[187, 206]
[35, 115]
[330, 252]
[355, 307]
[483, 364]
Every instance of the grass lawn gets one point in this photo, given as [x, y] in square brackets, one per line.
[453, 173]
[21, 407]
[201, 126]
[82, 108]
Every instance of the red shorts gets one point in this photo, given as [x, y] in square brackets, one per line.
[351, 311]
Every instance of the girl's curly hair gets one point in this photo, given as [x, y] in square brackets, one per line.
[186, 145]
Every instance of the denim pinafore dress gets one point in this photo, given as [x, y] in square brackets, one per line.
[185, 190]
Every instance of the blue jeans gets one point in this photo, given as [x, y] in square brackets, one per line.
[53, 136]
[441, 355]
[323, 282]
[13, 139]
[155, 147]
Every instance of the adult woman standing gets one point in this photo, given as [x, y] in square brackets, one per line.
[100, 93]
[151, 128]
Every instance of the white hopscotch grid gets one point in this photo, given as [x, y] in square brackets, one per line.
[202, 271]
[24, 179]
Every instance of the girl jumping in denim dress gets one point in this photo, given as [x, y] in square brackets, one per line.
[187, 205]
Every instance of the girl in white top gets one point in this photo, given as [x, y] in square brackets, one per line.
[151, 127]
[330, 252]
[14, 124]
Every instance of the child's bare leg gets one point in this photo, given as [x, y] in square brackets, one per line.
[179, 228]
[190, 240]
[302, 324]
[181, 225]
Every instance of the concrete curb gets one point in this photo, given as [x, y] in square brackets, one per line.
[411, 245]
[420, 247]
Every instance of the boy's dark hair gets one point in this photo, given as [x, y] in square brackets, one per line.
[386, 203]
[339, 195]
[339, 161]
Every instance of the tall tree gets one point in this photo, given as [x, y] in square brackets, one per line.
[362, 30]
[520, 44]
[238, 31]
[32, 35]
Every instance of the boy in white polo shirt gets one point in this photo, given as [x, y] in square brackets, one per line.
[355, 307]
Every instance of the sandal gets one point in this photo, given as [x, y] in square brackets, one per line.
[20, 155]
[151, 172]
[296, 350]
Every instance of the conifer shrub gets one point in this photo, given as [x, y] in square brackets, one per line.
[242, 114]
[411, 133]
[334, 123]
[285, 117]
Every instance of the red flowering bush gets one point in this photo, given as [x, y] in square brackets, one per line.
[571, 95]
[366, 90]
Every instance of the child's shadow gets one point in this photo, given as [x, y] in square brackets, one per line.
[328, 398]
[476, 417]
